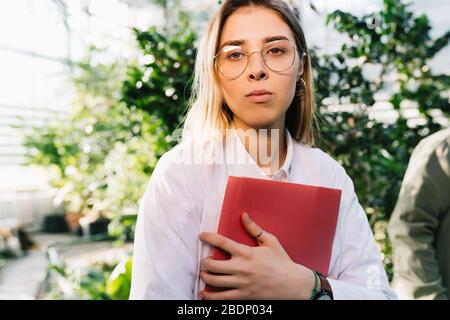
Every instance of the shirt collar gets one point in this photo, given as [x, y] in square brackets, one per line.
[242, 164]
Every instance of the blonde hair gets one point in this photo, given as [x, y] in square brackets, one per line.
[209, 117]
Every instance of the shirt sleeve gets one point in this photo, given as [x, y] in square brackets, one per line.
[360, 273]
[414, 223]
[166, 235]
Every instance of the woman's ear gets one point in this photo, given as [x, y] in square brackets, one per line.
[300, 68]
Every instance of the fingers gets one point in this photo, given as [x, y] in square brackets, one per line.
[219, 266]
[220, 281]
[233, 294]
[218, 240]
[255, 230]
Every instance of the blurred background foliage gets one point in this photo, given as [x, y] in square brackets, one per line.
[160, 84]
[102, 155]
[127, 114]
[387, 57]
[101, 280]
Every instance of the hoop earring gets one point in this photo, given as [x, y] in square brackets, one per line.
[301, 87]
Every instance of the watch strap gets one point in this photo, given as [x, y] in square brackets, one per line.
[325, 285]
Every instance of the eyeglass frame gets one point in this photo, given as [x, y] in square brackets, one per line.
[250, 52]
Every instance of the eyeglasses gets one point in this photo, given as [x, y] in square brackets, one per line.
[278, 56]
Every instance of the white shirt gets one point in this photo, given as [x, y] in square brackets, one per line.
[183, 199]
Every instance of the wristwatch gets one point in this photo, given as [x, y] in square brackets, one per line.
[325, 292]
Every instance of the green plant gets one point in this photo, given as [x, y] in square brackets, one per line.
[101, 280]
[123, 227]
[118, 285]
[90, 283]
[102, 154]
[160, 82]
[388, 54]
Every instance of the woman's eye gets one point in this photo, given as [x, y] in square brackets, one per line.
[235, 55]
[276, 51]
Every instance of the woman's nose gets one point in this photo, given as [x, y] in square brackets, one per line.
[257, 67]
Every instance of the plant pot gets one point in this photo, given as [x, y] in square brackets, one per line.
[55, 223]
[73, 221]
[96, 227]
[99, 226]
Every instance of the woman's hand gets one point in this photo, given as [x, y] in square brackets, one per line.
[263, 272]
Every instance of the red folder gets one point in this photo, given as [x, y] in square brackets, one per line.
[302, 217]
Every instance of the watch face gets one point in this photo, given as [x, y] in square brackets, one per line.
[324, 296]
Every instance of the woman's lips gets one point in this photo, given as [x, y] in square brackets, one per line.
[260, 97]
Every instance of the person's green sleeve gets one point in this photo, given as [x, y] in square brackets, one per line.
[424, 198]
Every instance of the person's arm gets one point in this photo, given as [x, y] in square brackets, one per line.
[424, 197]
[166, 236]
[359, 272]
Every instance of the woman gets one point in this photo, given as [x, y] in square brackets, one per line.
[253, 86]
